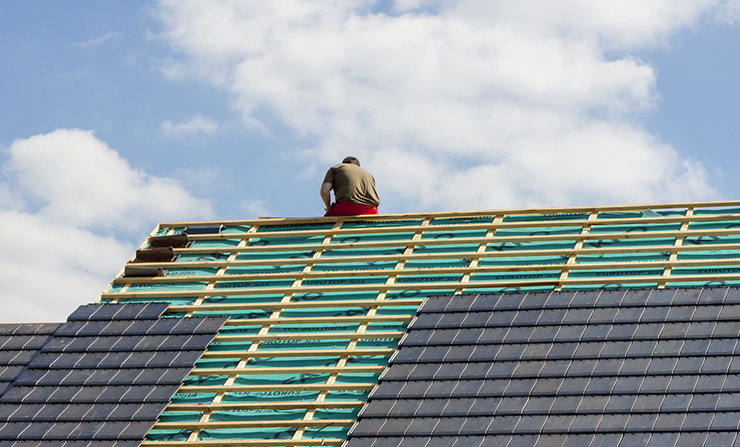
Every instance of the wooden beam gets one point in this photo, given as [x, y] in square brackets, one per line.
[451, 214]
[476, 226]
[286, 370]
[319, 320]
[277, 387]
[309, 336]
[265, 405]
[252, 424]
[296, 353]
[298, 305]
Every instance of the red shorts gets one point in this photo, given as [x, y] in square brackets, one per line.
[346, 208]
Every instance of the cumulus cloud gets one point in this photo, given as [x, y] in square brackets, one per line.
[197, 125]
[70, 207]
[460, 104]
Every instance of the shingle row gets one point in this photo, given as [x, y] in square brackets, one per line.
[549, 424]
[590, 299]
[642, 439]
[19, 343]
[559, 405]
[546, 318]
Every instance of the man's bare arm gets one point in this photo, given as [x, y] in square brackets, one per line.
[326, 195]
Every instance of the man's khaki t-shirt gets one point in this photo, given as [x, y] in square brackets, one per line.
[352, 183]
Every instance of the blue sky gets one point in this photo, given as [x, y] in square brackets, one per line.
[119, 114]
[700, 98]
[62, 72]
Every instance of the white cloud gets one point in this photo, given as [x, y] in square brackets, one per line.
[464, 104]
[99, 40]
[197, 125]
[256, 209]
[69, 206]
[731, 12]
[48, 268]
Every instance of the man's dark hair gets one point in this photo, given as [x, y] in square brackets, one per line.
[352, 160]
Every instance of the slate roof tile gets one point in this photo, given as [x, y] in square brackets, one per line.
[90, 384]
[635, 367]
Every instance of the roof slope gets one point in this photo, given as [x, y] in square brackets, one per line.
[599, 368]
[317, 305]
[18, 344]
[105, 375]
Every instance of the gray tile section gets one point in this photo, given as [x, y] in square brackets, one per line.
[591, 368]
[101, 379]
[19, 344]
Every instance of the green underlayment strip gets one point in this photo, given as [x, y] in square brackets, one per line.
[448, 283]
[461, 220]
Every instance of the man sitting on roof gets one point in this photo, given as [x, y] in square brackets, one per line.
[354, 190]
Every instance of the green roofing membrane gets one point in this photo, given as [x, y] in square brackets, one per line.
[204, 257]
[191, 272]
[522, 260]
[357, 279]
[721, 211]
[355, 266]
[371, 237]
[546, 217]
[536, 231]
[370, 251]
[160, 286]
[216, 243]
[383, 223]
[436, 263]
[265, 269]
[242, 299]
[623, 257]
[446, 249]
[295, 227]
[247, 256]
[437, 235]
[271, 241]
[335, 296]
[229, 229]
[461, 220]
[520, 246]
[174, 301]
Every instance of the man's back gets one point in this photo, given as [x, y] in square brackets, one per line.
[353, 184]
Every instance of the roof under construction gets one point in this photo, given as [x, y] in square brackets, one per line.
[316, 306]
